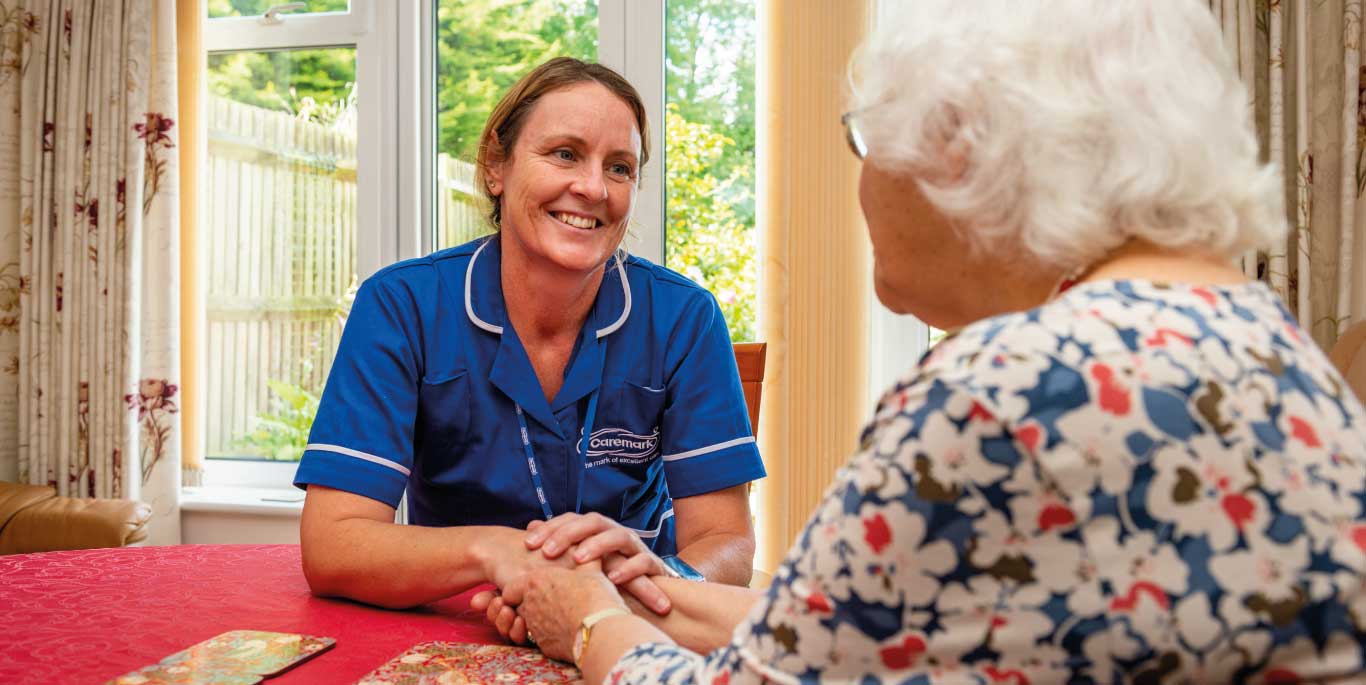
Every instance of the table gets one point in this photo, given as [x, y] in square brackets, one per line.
[89, 616]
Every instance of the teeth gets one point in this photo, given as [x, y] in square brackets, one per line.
[576, 221]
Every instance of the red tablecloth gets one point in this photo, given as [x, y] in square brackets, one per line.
[89, 616]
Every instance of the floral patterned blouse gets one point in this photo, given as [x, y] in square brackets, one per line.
[1135, 483]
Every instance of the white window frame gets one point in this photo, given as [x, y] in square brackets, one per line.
[895, 341]
[372, 28]
[630, 40]
[396, 148]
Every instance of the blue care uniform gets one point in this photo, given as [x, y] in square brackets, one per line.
[432, 391]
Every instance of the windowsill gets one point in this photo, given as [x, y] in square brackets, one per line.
[249, 473]
[241, 500]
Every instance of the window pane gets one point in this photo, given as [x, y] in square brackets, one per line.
[709, 141]
[255, 8]
[279, 245]
[483, 47]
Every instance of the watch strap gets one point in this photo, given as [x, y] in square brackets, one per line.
[586, 629]
[593, 618]
[680, 569]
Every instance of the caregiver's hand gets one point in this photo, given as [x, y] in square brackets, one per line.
[501, 615]
[626, 560]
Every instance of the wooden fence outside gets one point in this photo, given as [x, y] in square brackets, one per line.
[280, 256]
[460, 215]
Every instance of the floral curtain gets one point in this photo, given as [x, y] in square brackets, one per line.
[1302, 63]
[89, 245]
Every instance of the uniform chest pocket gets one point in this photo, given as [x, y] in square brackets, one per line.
[443, 416]
[626, 431]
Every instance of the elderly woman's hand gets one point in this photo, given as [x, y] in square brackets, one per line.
[593, 537]
[504, 617]
[504, 560]
[553, 602]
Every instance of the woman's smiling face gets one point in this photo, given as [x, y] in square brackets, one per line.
[568, 186]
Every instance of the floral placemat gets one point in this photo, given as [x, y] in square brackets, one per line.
[458, 663]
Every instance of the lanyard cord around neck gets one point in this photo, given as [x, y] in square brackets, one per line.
[584, 439]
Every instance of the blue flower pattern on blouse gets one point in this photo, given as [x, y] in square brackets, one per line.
[1134, 483]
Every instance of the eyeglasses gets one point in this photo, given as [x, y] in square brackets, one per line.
[853, 135]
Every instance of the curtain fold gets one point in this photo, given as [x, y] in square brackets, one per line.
[18, 28]
[90, 270]
[1302, 64]
[815, 274]
[191, 66]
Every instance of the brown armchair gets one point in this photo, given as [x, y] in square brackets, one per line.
[34, 519]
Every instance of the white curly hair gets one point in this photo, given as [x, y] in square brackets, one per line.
[1068, 127]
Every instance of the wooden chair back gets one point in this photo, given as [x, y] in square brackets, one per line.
[1349, 355]
[750, 358]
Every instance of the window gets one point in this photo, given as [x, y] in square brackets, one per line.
[342, 138]
[709, 136]
[707, 51]
[482, 48]
[296, 183]
[895, 341]
[281, 240]
[251, 8]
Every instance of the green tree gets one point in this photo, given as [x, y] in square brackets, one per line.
[316, 83]
[709, 84]
[484, 46]
[706, 240]
[281, 432]
[709, 75]
[302, 82]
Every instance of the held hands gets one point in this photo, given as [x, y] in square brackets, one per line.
[500, 609]
[586, 541]
[553, 602]
[625, 558]
[505, 559]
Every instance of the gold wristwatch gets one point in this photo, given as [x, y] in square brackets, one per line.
[586, 629]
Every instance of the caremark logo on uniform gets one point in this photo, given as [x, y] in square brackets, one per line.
[618, 445]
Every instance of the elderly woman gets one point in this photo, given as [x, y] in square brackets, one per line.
[540, 379]
[1129, 464]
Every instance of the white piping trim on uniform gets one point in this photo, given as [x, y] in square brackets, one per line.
[469, 303]
[709, 449]
[626, 311]
[319, 447]
[655, 533]
[469, 308]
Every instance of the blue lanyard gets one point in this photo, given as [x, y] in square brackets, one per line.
[584, 439]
